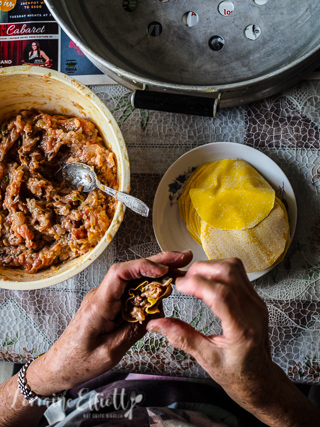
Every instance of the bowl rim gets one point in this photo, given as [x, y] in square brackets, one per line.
[124, 182]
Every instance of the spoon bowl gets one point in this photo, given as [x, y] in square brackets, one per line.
[80, 175]
[84, 177]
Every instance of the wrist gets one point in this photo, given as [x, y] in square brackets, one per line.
[15, 410]
[257, 388]
[277, 402]
[42, 379]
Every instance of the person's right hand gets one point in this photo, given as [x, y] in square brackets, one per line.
[239, 359]
[242, 352]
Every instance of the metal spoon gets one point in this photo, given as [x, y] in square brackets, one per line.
[80, 174]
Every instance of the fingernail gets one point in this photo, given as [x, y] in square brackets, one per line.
[162, 266]
[186, 251]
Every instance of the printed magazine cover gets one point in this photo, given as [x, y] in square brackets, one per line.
[30, 35]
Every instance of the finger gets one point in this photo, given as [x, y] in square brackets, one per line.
[230, 271]
[106, 302]
[184, 337]
[174, 273]
[219, 297]
[173, 259]
[114, 283]
[222, 270]
[112, 288]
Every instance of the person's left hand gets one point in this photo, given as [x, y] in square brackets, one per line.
[94, 341]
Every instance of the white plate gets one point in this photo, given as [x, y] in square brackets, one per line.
[171, 231]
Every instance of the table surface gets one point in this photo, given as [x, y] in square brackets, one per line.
[286, 127]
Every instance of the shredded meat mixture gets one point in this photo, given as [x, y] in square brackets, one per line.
[44, 220]
[138, 303]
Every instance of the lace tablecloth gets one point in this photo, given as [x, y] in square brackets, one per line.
[286, 127]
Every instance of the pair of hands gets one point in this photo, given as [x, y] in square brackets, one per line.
[96, 339]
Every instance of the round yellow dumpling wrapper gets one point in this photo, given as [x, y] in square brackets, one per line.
[229, 194]
[258, 247]
[193, 222]
[185, 204]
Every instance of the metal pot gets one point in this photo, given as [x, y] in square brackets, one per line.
[173, 52]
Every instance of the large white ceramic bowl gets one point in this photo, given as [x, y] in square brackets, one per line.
[28, 87]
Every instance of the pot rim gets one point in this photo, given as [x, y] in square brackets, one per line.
[135, 78]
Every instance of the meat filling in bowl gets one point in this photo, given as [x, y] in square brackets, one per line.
[44, 220]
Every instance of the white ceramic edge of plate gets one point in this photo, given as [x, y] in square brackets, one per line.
[207, 153]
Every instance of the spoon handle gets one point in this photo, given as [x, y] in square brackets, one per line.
[131, 202]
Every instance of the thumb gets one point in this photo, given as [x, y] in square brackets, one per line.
[182, 336]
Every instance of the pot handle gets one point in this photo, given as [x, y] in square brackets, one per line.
[176, 103]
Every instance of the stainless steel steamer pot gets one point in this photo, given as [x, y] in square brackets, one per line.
[192, 56]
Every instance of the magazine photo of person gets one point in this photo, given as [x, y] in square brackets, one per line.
[34, 55]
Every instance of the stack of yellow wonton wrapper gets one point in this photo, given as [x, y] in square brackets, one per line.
[232, 211]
